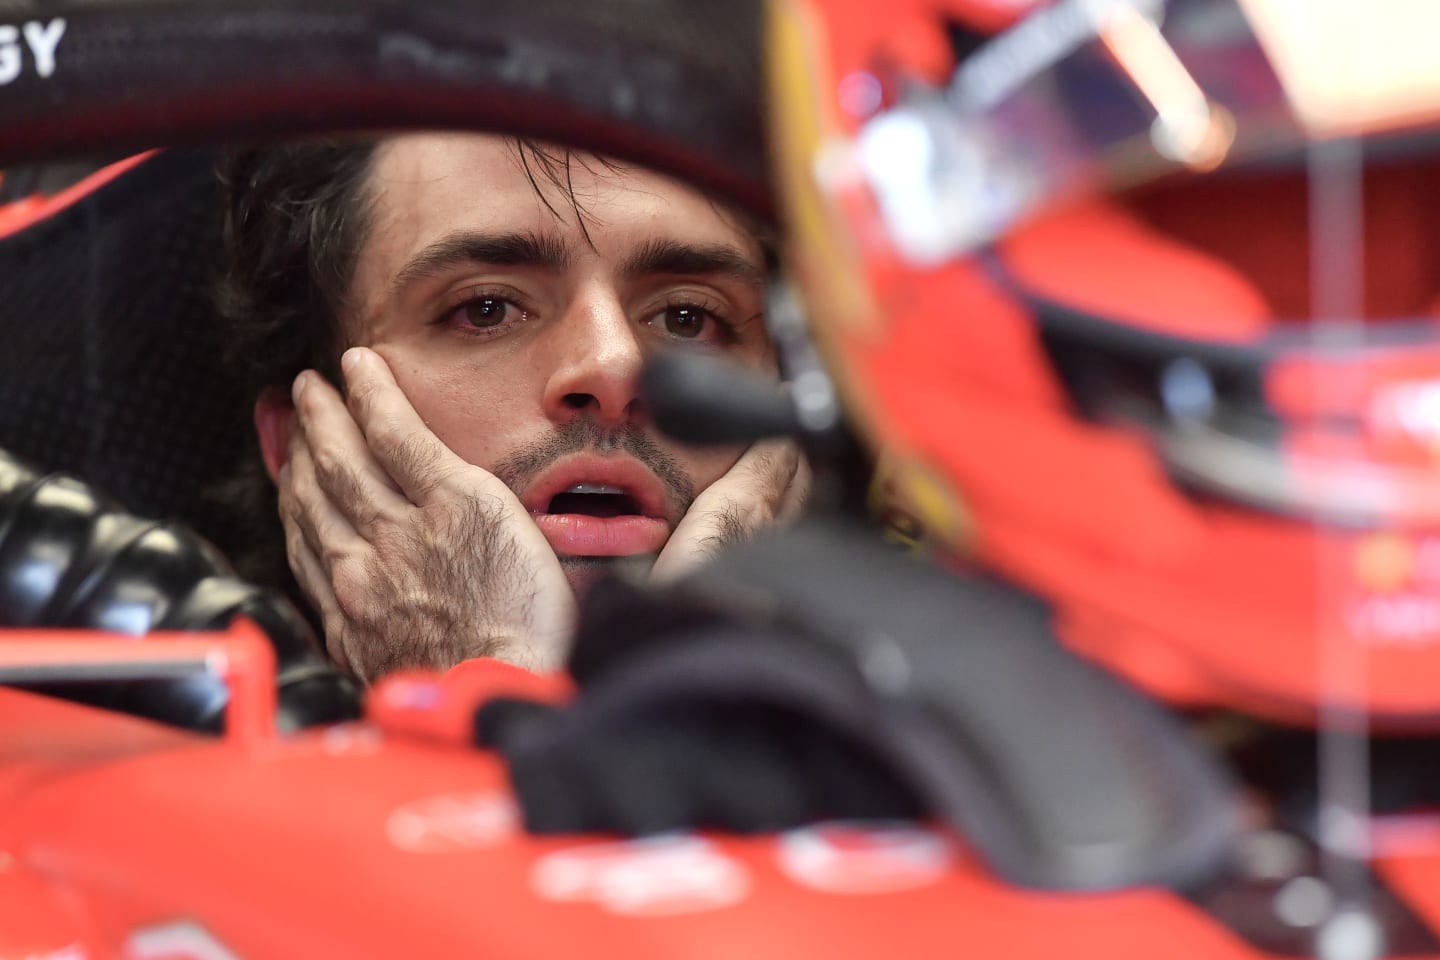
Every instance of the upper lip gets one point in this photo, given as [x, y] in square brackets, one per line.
[622, 472]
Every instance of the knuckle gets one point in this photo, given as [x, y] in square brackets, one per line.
[764, 463]
[420, 460]
[385, 433]
[345, 485]
[368, 516]
[365, 395]
[774, 481]
[295, 545]
[416, 449]
[333, 558]
[334, 628]
[727, 526]
[289, 510]
[338, 478]
[295, 554]
[293, 542]
[776, 484]
[327, 463]
[350, 585]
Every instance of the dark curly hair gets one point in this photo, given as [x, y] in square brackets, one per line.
[296, 214]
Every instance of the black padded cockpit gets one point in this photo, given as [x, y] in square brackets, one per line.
[113, 364]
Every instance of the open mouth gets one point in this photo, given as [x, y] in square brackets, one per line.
[594, 500]
[589, 506]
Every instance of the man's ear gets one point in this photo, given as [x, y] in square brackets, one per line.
[274, 417]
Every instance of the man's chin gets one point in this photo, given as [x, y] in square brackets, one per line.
[584, 572]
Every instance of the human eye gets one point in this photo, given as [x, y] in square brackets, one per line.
[695, 321]
[483, 313]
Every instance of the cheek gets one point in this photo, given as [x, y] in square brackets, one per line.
[475, 413]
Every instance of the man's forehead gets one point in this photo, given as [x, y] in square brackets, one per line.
[427, 187]
[423, 186]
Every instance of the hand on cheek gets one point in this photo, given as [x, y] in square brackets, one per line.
[769, 484]
[414, 557]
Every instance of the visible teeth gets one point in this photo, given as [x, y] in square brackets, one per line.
[594, 488]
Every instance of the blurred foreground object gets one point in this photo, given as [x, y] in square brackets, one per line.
[1142, 297]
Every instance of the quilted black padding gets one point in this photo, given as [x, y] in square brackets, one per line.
[70, 557]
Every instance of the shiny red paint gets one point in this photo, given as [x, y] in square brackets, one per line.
[368, 840]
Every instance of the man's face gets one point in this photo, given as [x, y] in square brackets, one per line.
[520, 340]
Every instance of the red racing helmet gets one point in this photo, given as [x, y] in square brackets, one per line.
[1142, 300]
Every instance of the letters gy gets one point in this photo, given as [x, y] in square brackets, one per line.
[40, 38]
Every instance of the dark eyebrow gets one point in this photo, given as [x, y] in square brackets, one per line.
[503, 249]
[673, 257]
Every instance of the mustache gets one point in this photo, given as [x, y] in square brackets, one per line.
[584, 434]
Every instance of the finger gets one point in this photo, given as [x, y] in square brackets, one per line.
[406, 448]
[797, 492]
[344, 466]
[328, 532]
[786, 465]
[700, 536]
[305, 565]
[763, 474]
[754, 493]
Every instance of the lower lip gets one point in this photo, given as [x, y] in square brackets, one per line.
[580, 535]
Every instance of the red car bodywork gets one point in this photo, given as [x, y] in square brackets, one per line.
[393, 837]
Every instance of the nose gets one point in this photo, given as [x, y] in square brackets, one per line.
[597, 361]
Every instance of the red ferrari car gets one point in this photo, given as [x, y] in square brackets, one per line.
[1134, 301]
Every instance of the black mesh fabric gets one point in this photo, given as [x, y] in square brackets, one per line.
[111, 368]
